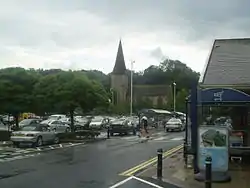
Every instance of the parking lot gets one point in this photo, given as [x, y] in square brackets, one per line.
[9, 153]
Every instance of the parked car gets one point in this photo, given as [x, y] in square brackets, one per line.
[122, 126]
[57, 126]
[37, 135]
[57, 116]
[174, 124]
[27, 122]
[3, 127]
[98, 122]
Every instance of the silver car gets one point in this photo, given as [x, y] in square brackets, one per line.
[57, 126]
[37, 135]
[174, 124]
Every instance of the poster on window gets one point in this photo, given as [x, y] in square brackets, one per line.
[213, 142]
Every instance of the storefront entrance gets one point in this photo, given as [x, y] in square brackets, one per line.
[219, 107]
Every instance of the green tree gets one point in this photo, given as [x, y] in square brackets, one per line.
[65, 91]
[181, 100]
[16, 86]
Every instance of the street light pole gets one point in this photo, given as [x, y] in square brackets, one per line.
[112, 96]
[174, 87]
[131, 88]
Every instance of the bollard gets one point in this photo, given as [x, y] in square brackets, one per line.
[185, 156]
[208, 174]
[108, 132]
[159, 163]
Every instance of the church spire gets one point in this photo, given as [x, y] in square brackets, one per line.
[120, 67]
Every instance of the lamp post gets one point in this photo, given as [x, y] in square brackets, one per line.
[112, 95]
[174, 97]
[131, 88]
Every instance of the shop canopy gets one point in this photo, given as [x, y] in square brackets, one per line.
[155, 111]
[220, 95]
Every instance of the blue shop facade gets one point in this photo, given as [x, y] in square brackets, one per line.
[218, 111]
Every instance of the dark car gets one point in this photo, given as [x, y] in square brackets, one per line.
[122, 127]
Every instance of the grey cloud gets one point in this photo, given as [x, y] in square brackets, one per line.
[192, 19]
[44, 23]
[195, 19]
[50, 25]
[157, 53]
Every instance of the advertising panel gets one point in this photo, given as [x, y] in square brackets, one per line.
[213, 142]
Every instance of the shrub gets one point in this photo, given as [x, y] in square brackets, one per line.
[81, 133]
[5, 135]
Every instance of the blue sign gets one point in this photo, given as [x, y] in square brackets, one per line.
[213, 142]
[220, 95]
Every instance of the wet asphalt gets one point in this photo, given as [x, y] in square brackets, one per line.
[92, 165]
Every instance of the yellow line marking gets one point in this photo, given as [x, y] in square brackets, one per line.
[149, 162]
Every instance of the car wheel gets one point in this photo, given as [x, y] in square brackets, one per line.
[167, 130]
[56, 140]
[39, 141]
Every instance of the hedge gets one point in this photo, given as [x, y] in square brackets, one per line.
[5, 135]
[75, 135]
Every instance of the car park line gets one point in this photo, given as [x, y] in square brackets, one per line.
[31, 152]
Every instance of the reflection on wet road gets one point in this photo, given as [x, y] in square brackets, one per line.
[95, 165]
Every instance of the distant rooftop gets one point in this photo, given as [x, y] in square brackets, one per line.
[228, 63]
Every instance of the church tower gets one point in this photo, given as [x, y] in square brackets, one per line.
[119, 79]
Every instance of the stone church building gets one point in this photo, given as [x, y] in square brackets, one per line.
[158, 95]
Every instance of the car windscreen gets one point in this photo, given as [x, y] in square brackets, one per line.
[25, 122]
[97, 120]
[174, 121]
[118, 121]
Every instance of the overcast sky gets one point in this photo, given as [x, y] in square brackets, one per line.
[84, 34]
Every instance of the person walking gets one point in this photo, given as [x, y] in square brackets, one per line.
[144, 126]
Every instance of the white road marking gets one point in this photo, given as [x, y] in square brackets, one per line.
[135, 178]
[24, 153]
[130, 137]
[147, 182]
[160, 138]
[19, 151]
[121, 182]
[15, 154]
[2, 156]
[178, 138]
